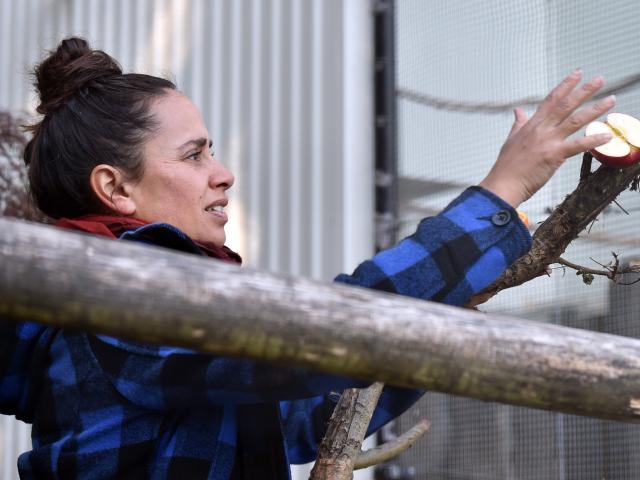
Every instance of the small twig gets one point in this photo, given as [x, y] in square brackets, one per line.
[601, 264]
[610, 271]
[612, 266]
[630, 283]
[564, 270]
[620, 207]
[581, 269]
[585, 169]
[393, 448]
[616, 264]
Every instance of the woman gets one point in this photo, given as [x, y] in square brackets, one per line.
[127, 156]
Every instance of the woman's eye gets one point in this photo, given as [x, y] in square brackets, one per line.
[199, 154]
[194, 155]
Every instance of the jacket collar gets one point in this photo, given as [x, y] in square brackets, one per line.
[160, 234]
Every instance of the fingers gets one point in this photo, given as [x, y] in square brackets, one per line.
[561, 106]
[573, 147]
[578, 120]
[557, 98]
[575, 100]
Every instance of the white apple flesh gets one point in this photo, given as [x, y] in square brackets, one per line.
[624, 148]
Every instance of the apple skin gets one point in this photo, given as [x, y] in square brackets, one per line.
[617, 162]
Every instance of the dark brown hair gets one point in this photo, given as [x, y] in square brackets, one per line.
[92, 114]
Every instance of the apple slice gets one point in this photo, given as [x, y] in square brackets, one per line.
[624, 148]
[524, 217]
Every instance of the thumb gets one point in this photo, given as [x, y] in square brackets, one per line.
[520, 118]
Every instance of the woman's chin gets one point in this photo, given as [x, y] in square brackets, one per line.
[216, 238]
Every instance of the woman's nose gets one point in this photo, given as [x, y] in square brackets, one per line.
[221, 176]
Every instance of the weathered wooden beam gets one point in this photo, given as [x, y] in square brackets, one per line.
[154, 295]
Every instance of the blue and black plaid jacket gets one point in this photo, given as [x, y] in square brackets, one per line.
[106, 408]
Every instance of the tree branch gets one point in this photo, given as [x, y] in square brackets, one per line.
[347, 428]
[393, 448]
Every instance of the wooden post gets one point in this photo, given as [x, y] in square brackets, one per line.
[153, 295]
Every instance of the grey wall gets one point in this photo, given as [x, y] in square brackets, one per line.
[285, 87]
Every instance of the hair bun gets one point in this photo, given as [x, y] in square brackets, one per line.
[69, 68]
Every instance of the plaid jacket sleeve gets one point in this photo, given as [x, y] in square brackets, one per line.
[449, 258]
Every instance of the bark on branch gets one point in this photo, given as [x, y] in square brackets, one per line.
[158, 296]
[392, 448]
[347, 428]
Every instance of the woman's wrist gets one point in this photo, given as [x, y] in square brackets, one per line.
[502, 189]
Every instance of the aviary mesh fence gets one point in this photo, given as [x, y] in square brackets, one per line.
[452, 59]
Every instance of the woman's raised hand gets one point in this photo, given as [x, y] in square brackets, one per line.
[536, 147]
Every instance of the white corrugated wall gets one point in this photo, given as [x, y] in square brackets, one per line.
[285, 86]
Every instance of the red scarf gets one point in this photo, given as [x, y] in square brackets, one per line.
[113, 227]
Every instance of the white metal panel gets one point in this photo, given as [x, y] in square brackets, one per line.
[256, 127]
[317, 141]
[14, 439]
[283, 50]
[279, 82]
[358, 112]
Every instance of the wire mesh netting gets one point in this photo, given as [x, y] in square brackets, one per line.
[458, 63]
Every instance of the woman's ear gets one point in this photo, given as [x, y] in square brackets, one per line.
[109, 186]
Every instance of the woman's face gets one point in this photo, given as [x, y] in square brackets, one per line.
[182, 184]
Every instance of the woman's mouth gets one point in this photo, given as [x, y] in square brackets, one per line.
[217, 210]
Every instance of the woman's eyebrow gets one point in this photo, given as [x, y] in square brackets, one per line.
[198, 142]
